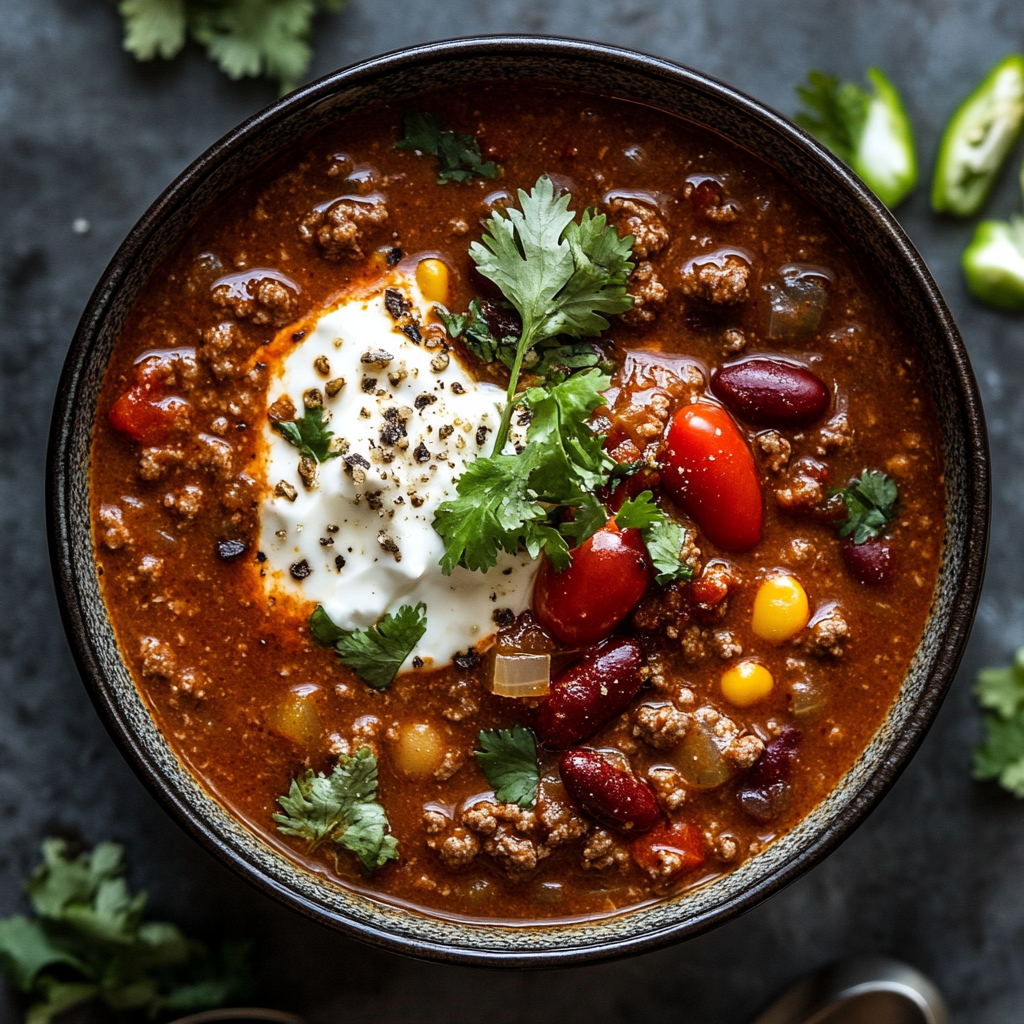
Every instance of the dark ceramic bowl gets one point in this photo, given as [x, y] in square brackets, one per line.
[871, 233]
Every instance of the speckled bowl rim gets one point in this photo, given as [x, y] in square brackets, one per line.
[868, 227]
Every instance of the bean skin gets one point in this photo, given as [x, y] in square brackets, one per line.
[765, 792]
[872, 563]
[590, 693]
[609, 795]
[771, 393]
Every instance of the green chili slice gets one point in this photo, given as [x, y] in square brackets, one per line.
[870, 130]
[994, 264]
[978, 140]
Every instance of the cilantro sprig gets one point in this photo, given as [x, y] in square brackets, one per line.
[459, 155]
[505, 502]
[560, 274]
[870, 503]
[341, 808]
[247, 38]
[309, 434]
[508, 759]
[376, 653]
[664, 539]
[88, 939]
[1000, 691]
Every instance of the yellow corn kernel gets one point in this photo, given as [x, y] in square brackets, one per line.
[419, 750]
[747, 683]
[780, 609]
[432, 278]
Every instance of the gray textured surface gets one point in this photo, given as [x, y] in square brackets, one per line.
[934, 875]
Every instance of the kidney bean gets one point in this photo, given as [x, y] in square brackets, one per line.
[765, 791]
[590, 693]
[872, 563]
[608, 794]
[771, 393]
[668, 851]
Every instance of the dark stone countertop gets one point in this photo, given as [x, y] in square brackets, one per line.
[934, 876]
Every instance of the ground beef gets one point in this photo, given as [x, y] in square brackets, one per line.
[516, 856]
[725, 644]
[835, 436]
[340, 230]
[450, 765]
[718, 281]
[158, 660]
[803, 494]
[603, 851]
[562, 823]
[264, 301]
[154, 463]
[434, 822]
[725, 847]
[649, 294]
[733, 341]
[221, 350]
[829, 634]
[459, 849]
[213, 454]
[775, 448]
[661, 726]
[186, 502]
[114, 533]
[668, 786]
[650, 235]
[740, 750]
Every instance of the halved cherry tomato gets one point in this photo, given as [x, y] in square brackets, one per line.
[144, 413]
[584, 603]
[709, 470]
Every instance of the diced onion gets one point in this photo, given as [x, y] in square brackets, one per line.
[520, 675]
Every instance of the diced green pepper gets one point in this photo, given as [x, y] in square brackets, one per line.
[994, 263]
[869, 130]
[978, 140]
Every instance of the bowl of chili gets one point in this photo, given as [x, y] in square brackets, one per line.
[960, 478]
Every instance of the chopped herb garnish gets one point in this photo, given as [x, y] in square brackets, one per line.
[1000, 691]
[377, 653]
[309, 434]
[508, 501]
[459, 154]
[664, 539]
[341, 808]
[870, 130]
[509, 761]
[870, 504]
[87, 940]
[560, 274]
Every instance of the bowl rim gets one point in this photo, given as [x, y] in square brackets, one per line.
[59, 500]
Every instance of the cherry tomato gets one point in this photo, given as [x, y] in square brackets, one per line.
[709, 471]
[584, 603]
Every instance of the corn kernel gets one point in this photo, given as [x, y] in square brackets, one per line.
[432, 278]
[780, 609]
[747, 683]
[419, 750]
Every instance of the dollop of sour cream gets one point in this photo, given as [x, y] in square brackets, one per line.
[408, 418]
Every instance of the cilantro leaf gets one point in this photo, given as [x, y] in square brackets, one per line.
[836, 112]
[247, 38]
[88, 940]
[664, 539]
[589, 515]
[459, 154]
[309, 434]
[561, 276]
[505, 502]
[870, 504]
[376, 653]
[341, 807]
[509, 762]
[1001, 756]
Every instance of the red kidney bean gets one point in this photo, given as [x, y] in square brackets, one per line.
[872, 563]
[765, 791]
[590, 693]
[608, 794]
[771, 393]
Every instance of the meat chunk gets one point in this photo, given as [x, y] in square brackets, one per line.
[221, 349]
[829, 634]
[725, 644]
[649, 294]
[604, 851]
[114, 533]
[740, 750]
[459, 849]
[158, 660]
[186, 502]
[661, 726]
[668, 786]
[434, 822]
[835, 436]
[649, 233]
[775, 448]
[154, 463]
[719, 280]
[450, 765]
[562, 824]
[263, 300]
[341, 228]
